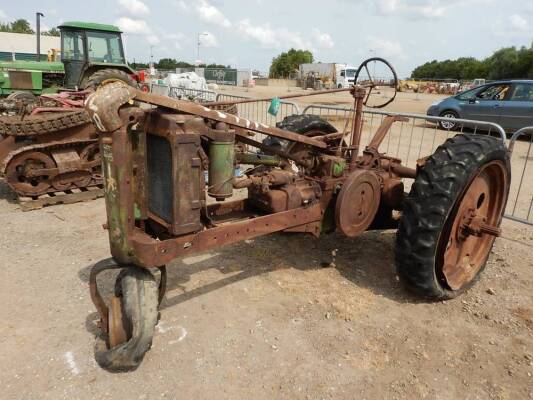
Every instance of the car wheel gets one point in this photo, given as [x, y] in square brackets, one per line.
[448, 125]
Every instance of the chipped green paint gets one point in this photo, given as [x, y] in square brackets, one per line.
[258, 159]
[221, 168]
[339, 167]
[136, 211]
[117, 216]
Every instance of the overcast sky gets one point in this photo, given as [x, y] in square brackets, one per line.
[249, 33]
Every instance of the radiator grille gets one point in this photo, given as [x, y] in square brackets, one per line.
[159, 160]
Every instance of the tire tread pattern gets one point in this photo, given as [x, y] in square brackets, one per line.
[41, 124]
[100, 76]
[434, 194]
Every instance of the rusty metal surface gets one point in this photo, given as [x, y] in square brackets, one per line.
[21, 80]
[51, 149]
[98, 301]
[151, 252]
[474, 225]
[357, 203]
[103, 108]
[117, 331]
[357, 125]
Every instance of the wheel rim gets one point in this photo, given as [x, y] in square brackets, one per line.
[357, 203]
[117, 332]
[19, 167]
[448, 124]
[474, 226]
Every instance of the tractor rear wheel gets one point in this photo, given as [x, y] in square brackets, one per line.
[105, 76]
[452, 216]
[305, 124]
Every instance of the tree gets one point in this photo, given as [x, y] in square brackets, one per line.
[17, 26]
[21, 26]
[506, 63]
[288, 62]
[167, 63]
[171, 63]
[52, 32]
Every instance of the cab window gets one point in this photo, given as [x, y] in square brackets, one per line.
[350, 73]
[522, 92]
[72, 46]
[104, 47]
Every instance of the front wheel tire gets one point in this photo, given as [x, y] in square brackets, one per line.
[132, 320]
[448, 125]
[451, 216]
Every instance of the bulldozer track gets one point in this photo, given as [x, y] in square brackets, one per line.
[51, 192]
[42, 124]
[76, 195]
[46, 147]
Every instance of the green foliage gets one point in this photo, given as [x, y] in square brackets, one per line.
[23, 26]
[17, 26]
[506, 63]
[171, 63]
[288, 62]
[52, 32]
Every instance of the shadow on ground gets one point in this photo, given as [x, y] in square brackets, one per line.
[366, 261]
[6, 193]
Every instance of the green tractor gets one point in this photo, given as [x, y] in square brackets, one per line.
[91, 55]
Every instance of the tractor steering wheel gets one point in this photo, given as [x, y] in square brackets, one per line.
[384, 78]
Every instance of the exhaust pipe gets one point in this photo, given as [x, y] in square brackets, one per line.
[38, 16]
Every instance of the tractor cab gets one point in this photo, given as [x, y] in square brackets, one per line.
[87, 48]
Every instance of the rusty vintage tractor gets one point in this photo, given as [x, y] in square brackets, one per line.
[317, 181]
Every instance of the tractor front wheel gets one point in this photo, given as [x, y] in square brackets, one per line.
[132, 319]
[452, 216]
[105, 76]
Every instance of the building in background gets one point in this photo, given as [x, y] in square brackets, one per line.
[22, 46]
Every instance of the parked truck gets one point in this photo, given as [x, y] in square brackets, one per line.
[331, 74]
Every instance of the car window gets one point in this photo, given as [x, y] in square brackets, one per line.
[468, 94]
[494, 92]
[522, 92]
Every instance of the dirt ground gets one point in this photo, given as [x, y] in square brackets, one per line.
[263, 318]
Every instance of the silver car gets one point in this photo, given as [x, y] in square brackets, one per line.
[507, 103]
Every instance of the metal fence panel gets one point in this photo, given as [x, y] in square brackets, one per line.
[520, 204]
[192, 94]
[416, 137]
[163, 90]
[258, 110]
[419, 136]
